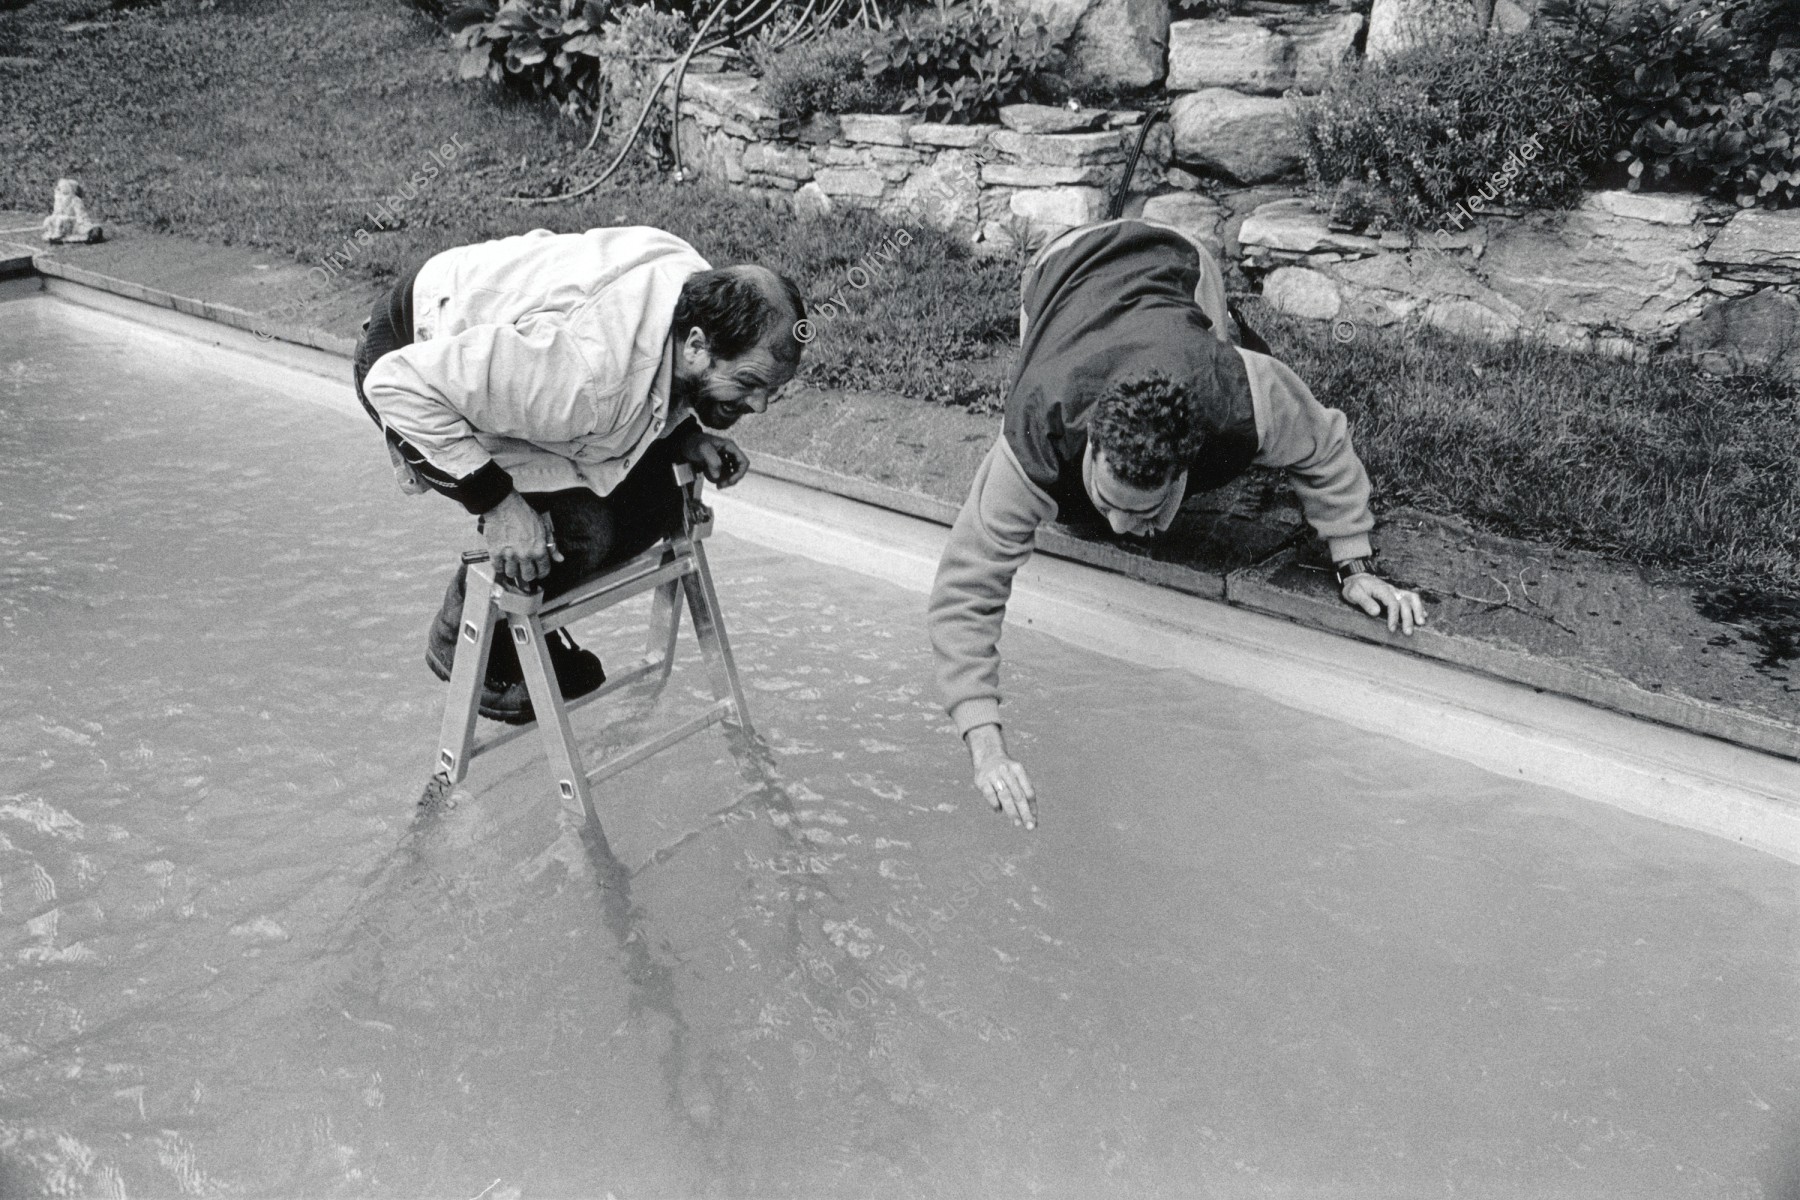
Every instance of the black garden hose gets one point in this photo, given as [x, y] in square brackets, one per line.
[1116, 209]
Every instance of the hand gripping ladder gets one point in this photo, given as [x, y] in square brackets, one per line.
[676, 564]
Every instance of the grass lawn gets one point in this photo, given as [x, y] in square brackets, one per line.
[283, 123]
[1658, 464]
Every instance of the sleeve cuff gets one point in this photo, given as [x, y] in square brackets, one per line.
[483, 491]
[1354, 546]
[980, 710]
[678, 427]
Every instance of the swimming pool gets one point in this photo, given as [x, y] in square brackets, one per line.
[1250, 951]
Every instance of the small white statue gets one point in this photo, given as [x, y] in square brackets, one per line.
[68, 220]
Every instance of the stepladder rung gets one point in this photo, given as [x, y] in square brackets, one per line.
[627, 759]
[648, 665]
[676, 570]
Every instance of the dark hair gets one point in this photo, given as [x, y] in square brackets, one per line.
[1147, 428]
[733, 307]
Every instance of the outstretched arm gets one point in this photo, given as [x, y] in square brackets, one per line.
[1313, 443]
[993, 536]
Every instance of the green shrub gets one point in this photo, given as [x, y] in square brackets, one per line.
[561, 50]
[823, 75]
[958, 61]
[437, 10]
[1435, 124]
[963, 59]
[1692, 89]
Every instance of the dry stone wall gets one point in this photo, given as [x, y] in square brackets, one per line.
[1036, 172]
[1117, 43]
[1228, 78]
[1623, 273]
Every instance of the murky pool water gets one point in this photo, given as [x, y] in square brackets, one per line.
[1248, 953]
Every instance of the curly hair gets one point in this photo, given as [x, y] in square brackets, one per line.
[1147, 428]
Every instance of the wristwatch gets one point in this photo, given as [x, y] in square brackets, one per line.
[1352, 567]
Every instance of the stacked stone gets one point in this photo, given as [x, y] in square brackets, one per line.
[1231, 119]
[1755, 264]
[722, 117]
[1055, 168]
[1040, 170]
[1399, 25]
[868, 163]
[1623, 273]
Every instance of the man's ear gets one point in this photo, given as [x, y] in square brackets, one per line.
[696, 344]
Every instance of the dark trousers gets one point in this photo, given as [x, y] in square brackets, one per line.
[592, 532]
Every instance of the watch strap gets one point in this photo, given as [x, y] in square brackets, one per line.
[1352, 567]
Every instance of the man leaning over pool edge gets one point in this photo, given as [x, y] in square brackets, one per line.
[1132, 390]
[547, 382]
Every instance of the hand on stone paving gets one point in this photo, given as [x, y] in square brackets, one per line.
[1376, 596]
[1000, 778]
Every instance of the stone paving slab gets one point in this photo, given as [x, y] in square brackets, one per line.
[1213, 536]
[918, 458]
[1209, 541]
[1556, 620]
[246, 288]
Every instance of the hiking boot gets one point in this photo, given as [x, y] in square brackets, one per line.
[504, 696]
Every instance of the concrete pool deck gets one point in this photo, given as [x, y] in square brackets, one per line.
[1521, 730]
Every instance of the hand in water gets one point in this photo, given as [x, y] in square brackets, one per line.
[1001, 778]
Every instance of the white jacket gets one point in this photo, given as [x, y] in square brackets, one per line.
[545, 353]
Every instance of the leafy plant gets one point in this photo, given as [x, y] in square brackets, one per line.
[1749, 150]
[437, 10]
[961, 60]
[1693, 89]
[823, 74]
[560, 49]
[1431, 126]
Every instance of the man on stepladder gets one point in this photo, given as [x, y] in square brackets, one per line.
[548, 382]
[1131, 391]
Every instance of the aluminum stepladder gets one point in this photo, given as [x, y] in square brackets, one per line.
[674, 567]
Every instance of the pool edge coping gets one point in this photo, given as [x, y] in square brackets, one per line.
[1234, 589]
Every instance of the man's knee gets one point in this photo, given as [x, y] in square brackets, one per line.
[584, 526]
